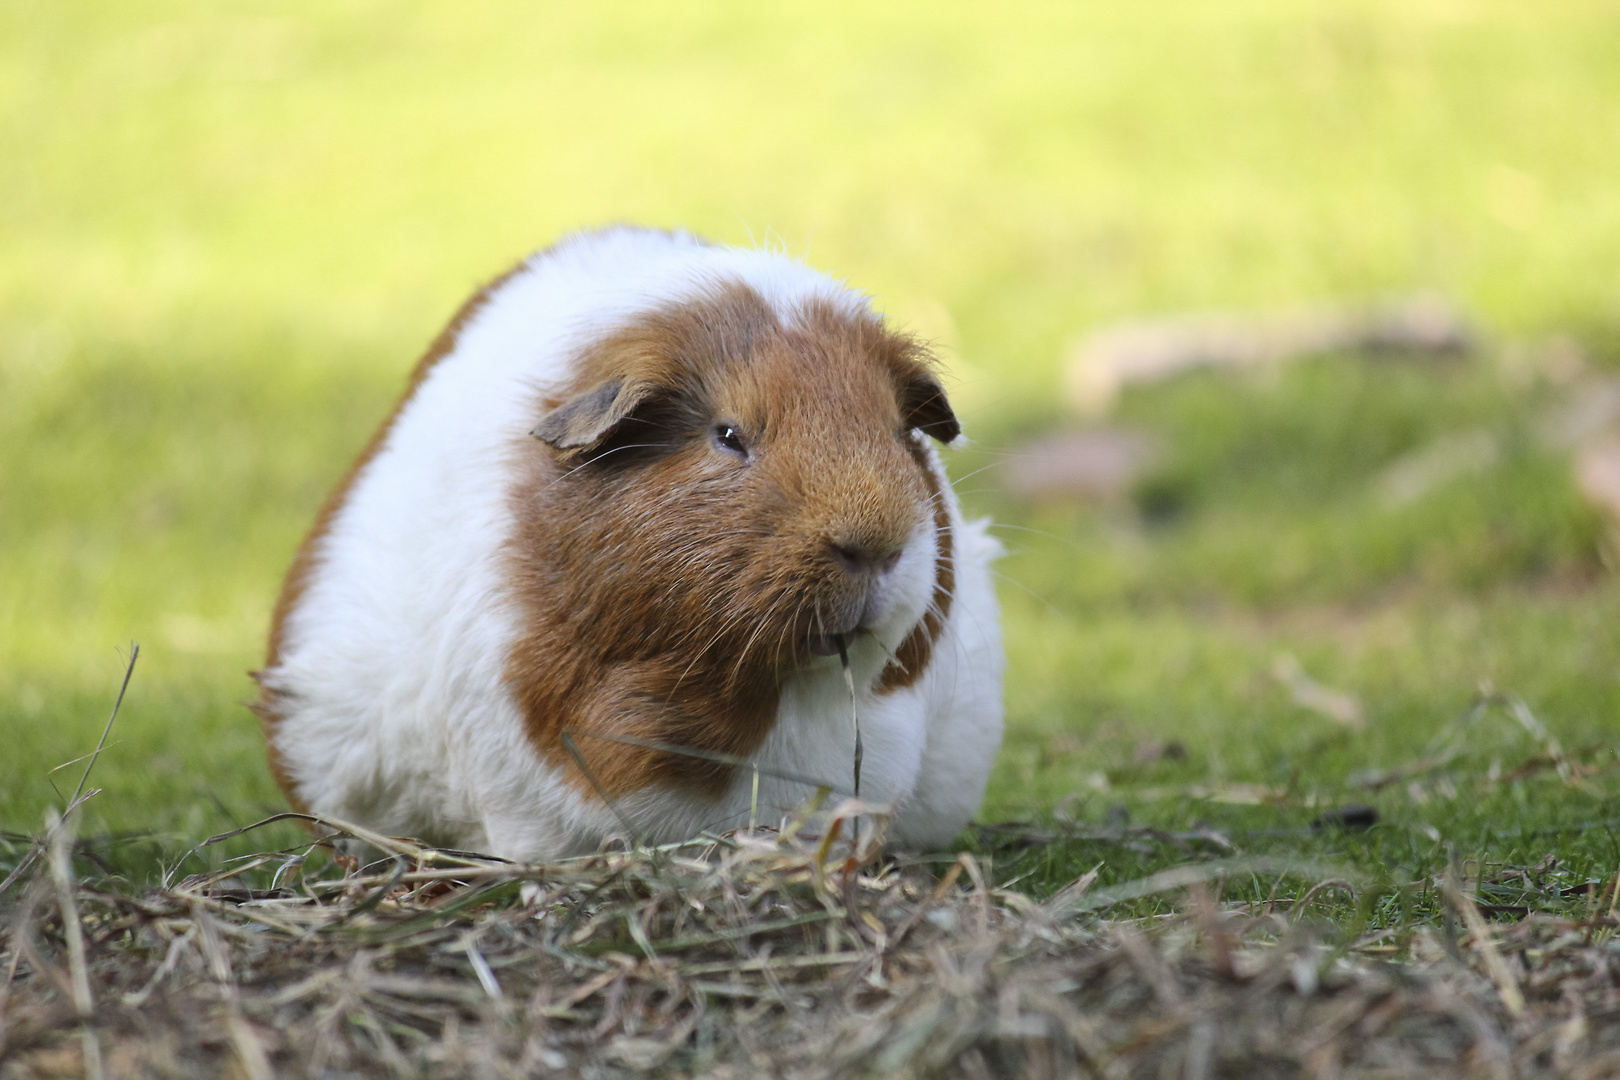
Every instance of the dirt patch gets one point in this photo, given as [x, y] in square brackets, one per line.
[775, 953]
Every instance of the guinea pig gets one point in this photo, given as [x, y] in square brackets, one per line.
[604, 565]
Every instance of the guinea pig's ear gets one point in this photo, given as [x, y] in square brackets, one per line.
[589, 420]
[923, 406]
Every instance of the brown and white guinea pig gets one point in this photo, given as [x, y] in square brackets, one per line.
[641, 487]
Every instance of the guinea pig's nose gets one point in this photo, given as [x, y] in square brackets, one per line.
[862, 559]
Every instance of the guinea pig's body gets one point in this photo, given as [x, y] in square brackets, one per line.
[642, 488]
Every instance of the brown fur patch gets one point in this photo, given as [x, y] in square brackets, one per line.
[670, 586]
[267, 707]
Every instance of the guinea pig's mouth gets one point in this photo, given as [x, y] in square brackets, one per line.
[832, 644]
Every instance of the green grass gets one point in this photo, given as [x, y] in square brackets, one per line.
[1133, 626]
[225, 236]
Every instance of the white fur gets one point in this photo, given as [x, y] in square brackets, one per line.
[395, 712]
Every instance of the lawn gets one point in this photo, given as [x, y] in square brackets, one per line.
[224, 237]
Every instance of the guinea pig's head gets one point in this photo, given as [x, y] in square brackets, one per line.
[734, 490]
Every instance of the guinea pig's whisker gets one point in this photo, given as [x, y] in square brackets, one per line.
[893, 659]
[742, 654]
[599, 457]
[1050, 607]
[971, 475]
[1069, 541]
[699, 654]
[747, 648]
[714, 756]
[786, 633]
[724, 640]
[579, 759]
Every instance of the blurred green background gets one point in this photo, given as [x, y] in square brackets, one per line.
[227, 230]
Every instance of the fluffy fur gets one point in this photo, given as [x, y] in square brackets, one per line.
[637, 489]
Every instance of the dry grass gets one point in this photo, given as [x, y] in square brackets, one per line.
[772, 952]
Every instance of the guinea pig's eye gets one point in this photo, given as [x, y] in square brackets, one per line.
[729, 439]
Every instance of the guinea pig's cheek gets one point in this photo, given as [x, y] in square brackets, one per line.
[902, 596]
